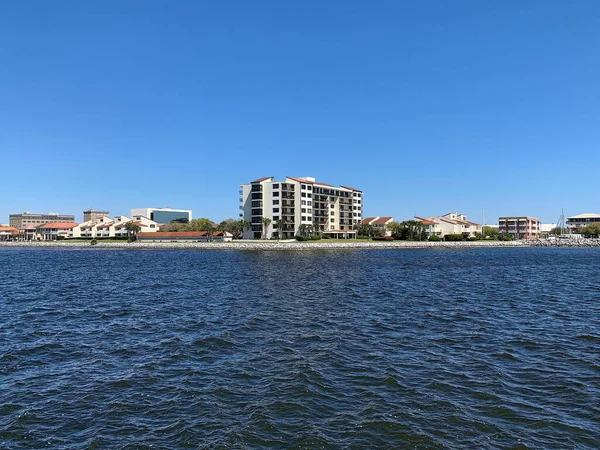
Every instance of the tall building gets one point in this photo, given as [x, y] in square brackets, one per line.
[31, 221]
[522, 227]
[162, 215]
[577, 223]
[294, 202]
[90, 214]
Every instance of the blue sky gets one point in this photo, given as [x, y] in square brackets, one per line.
[429, 107]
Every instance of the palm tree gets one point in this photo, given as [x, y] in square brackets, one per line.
[132, 230]
[280, 225]
[266, 222]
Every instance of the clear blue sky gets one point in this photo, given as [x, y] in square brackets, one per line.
[429, 107]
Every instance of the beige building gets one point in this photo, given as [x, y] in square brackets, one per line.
[107, 227]
[451, 223]
[29, 220]
[8, 233]
[52, 231]
[299, 202]
[520, 227]
[90, 214]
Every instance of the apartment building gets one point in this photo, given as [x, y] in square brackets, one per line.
[162, 215]
[577, 223]
[106, 227]
[52, 231]
[520, 227]
[451, 223]
[295, 202]
[30, 221]
[91, 214]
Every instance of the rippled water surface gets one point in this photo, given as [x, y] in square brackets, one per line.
[481, 348]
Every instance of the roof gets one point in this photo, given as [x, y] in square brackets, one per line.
[352, 189]
[426, 221]
[382, 220]
[585, 216]
[300, 180]
[58, 225]
[260, 180]
[368, 220]
[14, 230]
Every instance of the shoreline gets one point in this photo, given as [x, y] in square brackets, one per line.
[302, 246]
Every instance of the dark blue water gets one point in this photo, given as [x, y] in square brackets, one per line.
[481, 348]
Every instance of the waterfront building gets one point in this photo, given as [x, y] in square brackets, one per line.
[106, 227]
[52, 231]
[162, 215]
[380, 224]
[297, 204]
[90, 214]
[520, 227]
[8, 233]
[577, 223]
[451, 223]
[29, 220]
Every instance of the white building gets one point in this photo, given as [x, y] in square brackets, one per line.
[52, 231]
[380, 224]
[577, 223]
[451, 223]
[295, 202]
[106, 227]
[162, 215]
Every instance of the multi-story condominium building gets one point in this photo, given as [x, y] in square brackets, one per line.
[577, 223]
[380, 224]
[295, 202]
[451, 223]
[52, 231]
[90, 214]
[522, 227]
[162, 215]
[29, 220]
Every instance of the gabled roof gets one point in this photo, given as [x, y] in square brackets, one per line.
[352, 189]
[300, 180]
[382, 220]
[368, 220]
[585, 216]
[260, 180]
[426, 221]
[58, 225]
[12, 229]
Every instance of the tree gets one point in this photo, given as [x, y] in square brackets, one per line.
[365, 230]
[280, 225]
[266, 221]
[235, 227]
[490, 232]
[408, 230]
[132, 230]
[305, 230]
[557, 231]
[592, 230]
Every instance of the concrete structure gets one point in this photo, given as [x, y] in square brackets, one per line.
[299, 203]
[106, 227]
[451, 223]
[577, 223]
[52, 231]
[28, 220]
[162, 215]
[380, 224]
[8, 233]
[90, 214]
[185, 236]
[520, 227]
[546, 228]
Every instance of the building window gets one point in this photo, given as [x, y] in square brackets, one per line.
[276, 186]
[275, 194]
[303, 211]
[275, 210]
[303, 194]
[276, 202]
[304, 187]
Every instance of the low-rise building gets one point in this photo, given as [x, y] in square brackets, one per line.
[91, 214]
[52, 231]
[520, 227]
[577, 223]
[451, 223]
[8, 233]
[106, 227]
[379, 224]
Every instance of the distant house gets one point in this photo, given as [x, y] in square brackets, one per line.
[451, 223]
[380, 224]
[184, 236]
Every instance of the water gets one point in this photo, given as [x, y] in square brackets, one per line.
[480, 348]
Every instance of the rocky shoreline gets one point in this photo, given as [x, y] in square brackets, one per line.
[293, 245]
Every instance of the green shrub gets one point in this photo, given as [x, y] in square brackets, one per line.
[315, 237]
[362, 237]
[383, 238]
[454, 237]
[471, 238]
[434, 238]
[93, 242]
[326, 236]
[302, 238]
